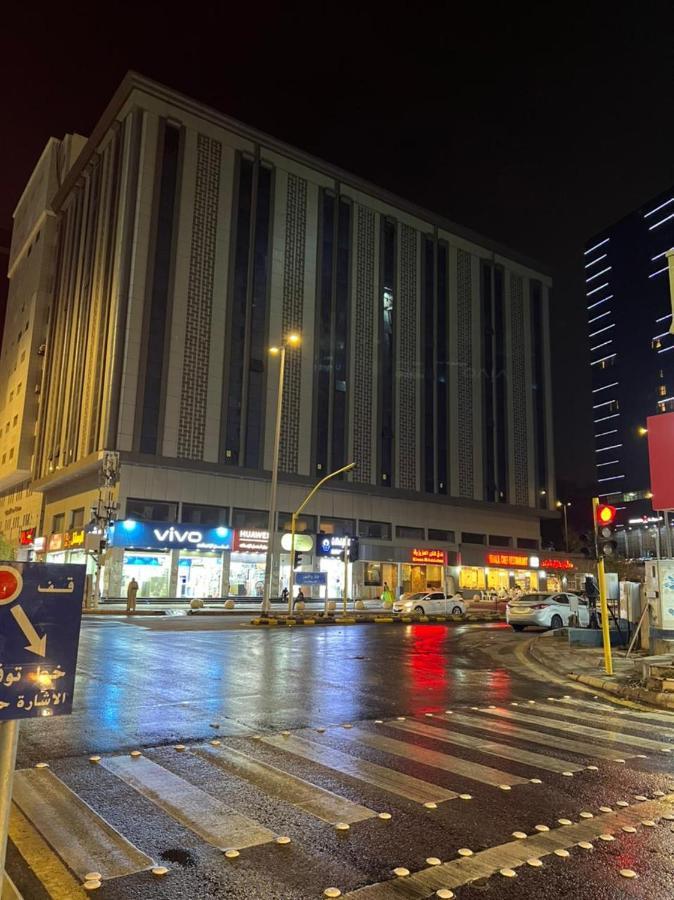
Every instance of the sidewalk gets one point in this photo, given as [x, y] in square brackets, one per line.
[586, 665]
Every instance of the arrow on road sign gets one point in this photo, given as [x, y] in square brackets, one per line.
[3, 705]
[36, 644]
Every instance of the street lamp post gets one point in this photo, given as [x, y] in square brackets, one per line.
[564, 507]
[293, 340]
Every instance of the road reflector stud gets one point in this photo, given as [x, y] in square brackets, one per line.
[464, 851]
[378, 721]
[606, 837]
[93, 876]
[668, 817]
[592, 768]
[658, 793]
[401, 872]
[514, 703]
[585, 845]
[541, 828]
[641, 756]
[444, 894]
[179, 747]
[465, 796]
[622, 803]
[629, 829]
[564, 854]
[94, 759]
[433, 861]
[41, 765]
[429, 715]
[216, 743]
[628, 873]
[567, 774]
[475, 707]
[385, 816]
[449, 712]
[605, 809]
[619, 760]
[332, 892]
[534, 862]
[135, 754]
[321, 730]
[586, 815]
[666, 750]
[342, 826]
[649, 823]
[283, 840]
[491, 706]
[430, 804]
[400, 718]
[159, 871]
[91, 885]
[285, 733]
[640, 798]
[347, 725]
[214, 725]
[505, 787]
[508, 873]
[520, 835]
[531, 701]
[565, 821]
[535, 781]
[231, 854]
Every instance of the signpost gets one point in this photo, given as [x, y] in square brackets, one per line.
[40, 617]
[307, 579]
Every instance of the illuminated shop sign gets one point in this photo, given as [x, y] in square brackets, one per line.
[431, 557]
[163, 535]
[557, 564]
[248, 540]
[330, 544]
[55, 542]
[26, 537]
[509, 560]
[40, 544]
[73, 539]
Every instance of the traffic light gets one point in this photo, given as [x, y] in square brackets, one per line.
[605, 525]
[353, 549]
[297, 561]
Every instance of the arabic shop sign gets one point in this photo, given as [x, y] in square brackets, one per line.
[26, 537]
[167, 536]
[422, 555]
[251, 540]
[330, 544]
[40, 615]
[509, 560]
[557, 564]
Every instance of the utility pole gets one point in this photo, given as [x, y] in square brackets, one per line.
[103, 514]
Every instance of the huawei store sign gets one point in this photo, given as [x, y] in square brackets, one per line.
[250, 540]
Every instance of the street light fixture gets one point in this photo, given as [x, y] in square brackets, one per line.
[564, 506]
[292, 340]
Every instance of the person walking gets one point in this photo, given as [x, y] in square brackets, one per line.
[131, 593]
[387, 595]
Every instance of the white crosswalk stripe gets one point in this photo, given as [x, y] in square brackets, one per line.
[601, 718]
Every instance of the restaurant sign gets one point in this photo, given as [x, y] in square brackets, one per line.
[422, 555]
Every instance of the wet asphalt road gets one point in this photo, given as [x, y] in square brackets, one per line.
[154, 682]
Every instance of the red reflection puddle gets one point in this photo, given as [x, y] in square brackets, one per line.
[429, 658]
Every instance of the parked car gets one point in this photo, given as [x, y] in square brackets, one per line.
[430, 603]
[544, 610]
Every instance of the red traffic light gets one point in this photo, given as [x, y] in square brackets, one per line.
[606, 514]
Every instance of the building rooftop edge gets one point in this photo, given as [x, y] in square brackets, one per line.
[135, 81]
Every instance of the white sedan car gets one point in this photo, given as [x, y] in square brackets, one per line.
[430, 603]
[544, 610]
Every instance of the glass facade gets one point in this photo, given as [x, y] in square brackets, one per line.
[387, 352]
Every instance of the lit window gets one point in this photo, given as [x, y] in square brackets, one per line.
[662, 390]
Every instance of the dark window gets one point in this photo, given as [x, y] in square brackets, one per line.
[439, 534]
[500, 540]
[160, 292]
[342, 312]
[428, 367]
[324, 337]
[338, 527]
[304, 523]
[472, 537]
[245, 398]
[386, 351]
[151, 510]
[442, 368]
[195, 514]
[77, 518]
[380, 530]
[527, 543]
[250, 518]
[58, 523]
[255, 400]
[501, 392]
[409, 533]
[538, 388]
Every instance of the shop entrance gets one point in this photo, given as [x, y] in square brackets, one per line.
[199, 574]
[152, 571]
[246, 574]
[417, 578]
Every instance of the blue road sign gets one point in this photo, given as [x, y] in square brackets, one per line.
[40, 617]
[309, 578]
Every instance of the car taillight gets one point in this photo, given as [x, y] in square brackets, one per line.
[539, 606]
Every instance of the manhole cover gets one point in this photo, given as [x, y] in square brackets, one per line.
[179, 856]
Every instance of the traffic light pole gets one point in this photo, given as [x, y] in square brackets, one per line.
[603, 600]
[346, 572]
[293, 528]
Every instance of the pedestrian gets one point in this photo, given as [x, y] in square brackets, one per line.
[284, 595]
[131, 593]
[299, 598]
[387, 595]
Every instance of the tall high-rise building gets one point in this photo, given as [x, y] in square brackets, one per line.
[152, 267]
[632, 351]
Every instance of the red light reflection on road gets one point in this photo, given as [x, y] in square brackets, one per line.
[429, 657]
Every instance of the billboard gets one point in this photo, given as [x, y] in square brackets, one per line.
[660, 452]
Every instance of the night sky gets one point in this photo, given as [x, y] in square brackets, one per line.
[536, 126]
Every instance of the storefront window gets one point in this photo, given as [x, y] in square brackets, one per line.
[204, 515]
[246, 574]
[335, 571]
[152, 571]
[199, 574]
[526, 581]
[303, 524]
[338, 527]
[372, 574]
[498, 580]
[434, 578]
[256, 519]
[472, 578]
[413, 578]
[379, 530]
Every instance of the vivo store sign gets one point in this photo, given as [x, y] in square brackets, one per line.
[164, 535]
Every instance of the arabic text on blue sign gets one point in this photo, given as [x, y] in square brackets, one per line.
[165, 535]
[309, 578]
[40, 616]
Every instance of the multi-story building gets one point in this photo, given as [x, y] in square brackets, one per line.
[152, 267]
[632, 355]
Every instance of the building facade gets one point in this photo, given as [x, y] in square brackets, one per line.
[156, 262]
[632, 356]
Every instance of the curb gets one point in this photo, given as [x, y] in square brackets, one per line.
[626, 692]
[286, 622]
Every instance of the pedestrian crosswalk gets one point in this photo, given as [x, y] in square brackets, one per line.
[243, 794]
